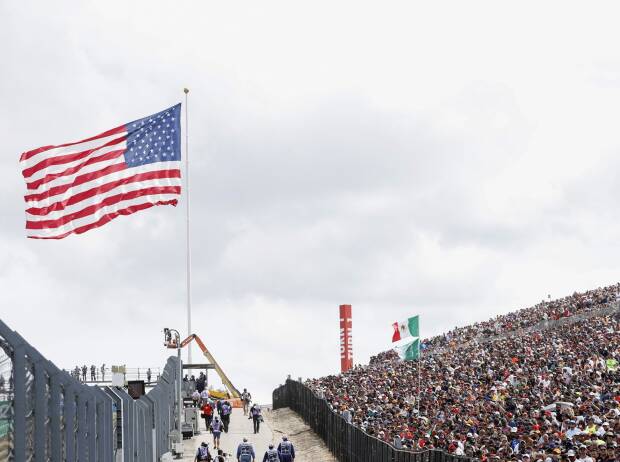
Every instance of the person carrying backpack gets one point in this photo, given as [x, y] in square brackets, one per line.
[255, 414]
[203, 454]
[246, 397]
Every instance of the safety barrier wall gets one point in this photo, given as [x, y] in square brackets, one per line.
[45, 414]
[347, 442]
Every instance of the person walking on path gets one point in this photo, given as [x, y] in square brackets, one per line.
[271, 455]
[218, 405]
[221, 456]
[245, 452]
[207, 414]
[204, 396]
[203, 453]
[246, 397]
[226, 410]
[286, 450]
[255, 415]
[216, 429]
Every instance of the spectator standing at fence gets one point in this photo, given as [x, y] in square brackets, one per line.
[255, 415]
[148, 375]
[216, 429]
[200, 382]
[103, 372]
[93, 373]
[246, 397]
[286, 450]
[203, 453]
[84, 371]
[271, 455]
[245, 452]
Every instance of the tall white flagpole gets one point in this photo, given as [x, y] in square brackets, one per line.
[188, 242]
[419, 369]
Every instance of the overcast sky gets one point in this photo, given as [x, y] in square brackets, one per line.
[454, 160]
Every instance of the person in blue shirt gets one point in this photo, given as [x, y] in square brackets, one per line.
[245, 452]
[255, 415]
[271, 455]
[226, 411]
[286, 450]
[216, 428]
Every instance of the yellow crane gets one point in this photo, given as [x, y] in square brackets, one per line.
[225, 380]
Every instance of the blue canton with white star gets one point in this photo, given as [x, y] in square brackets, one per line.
[156, 138]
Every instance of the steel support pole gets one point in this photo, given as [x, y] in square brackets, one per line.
[187, 229]
[180, 397]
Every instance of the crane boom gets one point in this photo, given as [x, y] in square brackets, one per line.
[225, 380]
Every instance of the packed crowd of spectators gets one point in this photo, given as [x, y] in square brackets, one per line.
[548, 395]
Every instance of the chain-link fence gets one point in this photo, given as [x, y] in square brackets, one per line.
[347, 442]
[47, 415]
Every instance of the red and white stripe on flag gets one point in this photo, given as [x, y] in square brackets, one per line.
[79, 186]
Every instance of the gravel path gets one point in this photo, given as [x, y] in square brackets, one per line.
[308, 446]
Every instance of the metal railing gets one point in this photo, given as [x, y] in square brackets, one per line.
[347, 442]
[105, 376]
[45, 414]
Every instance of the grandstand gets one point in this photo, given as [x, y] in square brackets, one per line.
[537, 384]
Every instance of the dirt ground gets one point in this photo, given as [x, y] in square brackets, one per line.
[308, 446]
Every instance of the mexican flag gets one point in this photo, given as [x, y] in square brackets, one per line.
[408, 328]
[409, 351]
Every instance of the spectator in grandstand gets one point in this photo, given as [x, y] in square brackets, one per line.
[513, 388]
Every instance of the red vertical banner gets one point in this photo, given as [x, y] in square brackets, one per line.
[346, 338]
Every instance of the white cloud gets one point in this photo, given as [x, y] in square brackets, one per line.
[455, 160]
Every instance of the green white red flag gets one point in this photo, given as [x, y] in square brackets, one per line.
[409, 351]
[407, 328]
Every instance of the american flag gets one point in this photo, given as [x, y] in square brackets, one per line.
[75, 187]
